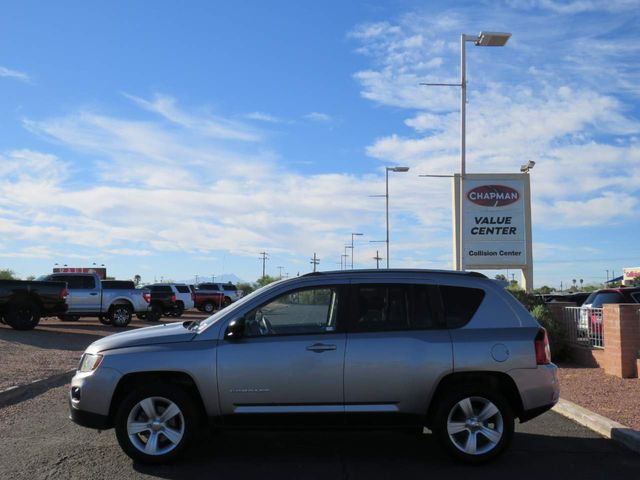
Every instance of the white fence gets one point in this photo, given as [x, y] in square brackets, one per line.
[584, 326]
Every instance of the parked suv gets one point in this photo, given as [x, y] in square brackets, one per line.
[184, 298]
[590, 323]
[229, 290]
[452, 351]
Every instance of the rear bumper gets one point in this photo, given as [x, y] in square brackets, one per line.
[539, 389]
[57, 309]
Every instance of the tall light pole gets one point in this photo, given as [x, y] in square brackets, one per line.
[352, 250]
[387, 170]
[483, 39]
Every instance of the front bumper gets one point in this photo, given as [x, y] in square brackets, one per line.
[90, 397]
[89, 419]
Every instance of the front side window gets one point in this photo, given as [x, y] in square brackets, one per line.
[183, 289]
[301, 312]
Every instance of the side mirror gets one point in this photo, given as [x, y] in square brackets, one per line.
[235, 329]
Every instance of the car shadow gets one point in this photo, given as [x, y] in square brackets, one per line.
[62, 340]
[389, 455]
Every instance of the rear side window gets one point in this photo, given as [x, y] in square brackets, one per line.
[606, 297]
[161, 288]
[183, 289]
[460, 304]
[392, 307]
[76, 282]
[229, 288]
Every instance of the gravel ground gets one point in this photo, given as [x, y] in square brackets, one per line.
[613, 397]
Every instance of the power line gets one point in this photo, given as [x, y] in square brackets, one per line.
[314, 261]
[263, 256]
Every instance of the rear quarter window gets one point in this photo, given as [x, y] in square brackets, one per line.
[230, 288]
[606, 297]
[460, 304]
[183, 289]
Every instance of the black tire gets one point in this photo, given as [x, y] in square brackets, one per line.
[178, 310]
[105, 320]
[154, 313]
[120, 315]
[69, 318]
[22, 315]
[449, 409]
[141, 316]
[185, 424]
[208, 307]
[226, 302]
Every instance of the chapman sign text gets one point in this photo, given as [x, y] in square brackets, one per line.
[493, 224]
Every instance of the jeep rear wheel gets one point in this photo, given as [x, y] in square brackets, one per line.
[474, 425]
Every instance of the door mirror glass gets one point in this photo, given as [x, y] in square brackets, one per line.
[235, 329]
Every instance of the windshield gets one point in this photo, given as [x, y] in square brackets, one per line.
[202, 325]
[604, 297]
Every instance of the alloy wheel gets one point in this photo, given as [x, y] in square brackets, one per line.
[155, 426]
[475, 425]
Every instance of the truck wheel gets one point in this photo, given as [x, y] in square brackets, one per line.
[69, 318]
[226, 302]
[208, 307]
[120, 315]
[178, 310]
[474, 425]
[156, 423]
[22, 315]
[154, 313]
[104, 320]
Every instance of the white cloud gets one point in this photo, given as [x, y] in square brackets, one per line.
[262, 117]
[318, 117]
[15, 74]
[206, 124]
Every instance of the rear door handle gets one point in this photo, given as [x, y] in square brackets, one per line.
[320, 347]
[93, 293]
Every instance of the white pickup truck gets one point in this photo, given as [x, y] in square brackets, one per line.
[88, 298]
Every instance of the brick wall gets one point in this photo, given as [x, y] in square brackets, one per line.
[621, 340]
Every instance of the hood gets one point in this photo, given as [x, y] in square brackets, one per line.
[165, 333]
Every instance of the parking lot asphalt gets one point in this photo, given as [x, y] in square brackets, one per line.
[39, 441]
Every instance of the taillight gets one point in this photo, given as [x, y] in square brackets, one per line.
[173, 298]
[147, 297]
[543, 352]
[64, 293]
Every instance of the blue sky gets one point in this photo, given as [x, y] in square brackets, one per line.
[169, 139]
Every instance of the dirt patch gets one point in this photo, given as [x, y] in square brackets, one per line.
[613, 397]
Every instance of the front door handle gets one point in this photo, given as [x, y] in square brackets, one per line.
[93, 293]
[320, 347]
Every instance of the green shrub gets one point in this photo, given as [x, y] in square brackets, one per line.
[529, 300]
[555, 330]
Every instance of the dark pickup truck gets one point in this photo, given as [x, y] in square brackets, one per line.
[22, 302]
[162, 301]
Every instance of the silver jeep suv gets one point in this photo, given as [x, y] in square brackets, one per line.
[450, 351]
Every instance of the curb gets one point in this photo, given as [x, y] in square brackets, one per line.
[604, 426]
[19, 393]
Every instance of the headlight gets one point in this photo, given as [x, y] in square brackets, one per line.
[89, 362]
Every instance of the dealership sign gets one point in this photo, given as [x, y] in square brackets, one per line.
[494, 222]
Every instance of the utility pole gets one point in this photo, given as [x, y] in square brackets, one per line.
[314, 261]
[377, 258]
[263, 256]
[196, 279]
[279, 267]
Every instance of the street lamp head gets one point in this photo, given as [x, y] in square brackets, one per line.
[357, 234]
[398, 169]
[492, 39]
[527, 166]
